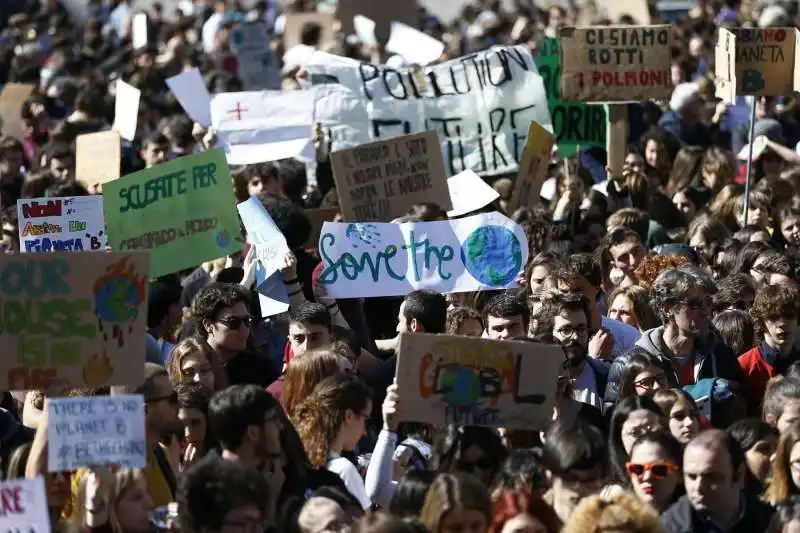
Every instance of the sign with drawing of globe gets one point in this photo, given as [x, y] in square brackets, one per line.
[485, 251]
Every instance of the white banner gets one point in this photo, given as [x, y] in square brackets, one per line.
[73, 224]
[480, 105]
[486, 251]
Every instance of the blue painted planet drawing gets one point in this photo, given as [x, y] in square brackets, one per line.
[462, 386]
[223, 238]
[493, 255]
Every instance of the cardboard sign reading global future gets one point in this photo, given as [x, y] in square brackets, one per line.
[616, 63]
[764, 61]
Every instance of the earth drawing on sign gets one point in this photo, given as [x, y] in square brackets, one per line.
[493, 255]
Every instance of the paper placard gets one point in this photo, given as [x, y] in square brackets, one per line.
[72, 224]
[765, 61]
[24, 506]
[192, 93]
[383, 13]
[318, 217]
[477, 382]
[139, 30]
[414, 45]
[533, 170]
[365, 30]
[126, 110]
[725, 66]
[76, 317]
[484, 251]
[576, 126]
[380, 181]
[12, 97]
[468, 193]
[262, 126]
[263, 234]
[96, 430]
[296, 21]
[480, 106]
[616, 63]
[257, 64]
[183, 210]
[97, 157]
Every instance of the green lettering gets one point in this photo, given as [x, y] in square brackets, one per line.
[32, 351]
[65, 353]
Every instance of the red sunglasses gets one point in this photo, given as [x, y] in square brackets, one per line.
[659, 469]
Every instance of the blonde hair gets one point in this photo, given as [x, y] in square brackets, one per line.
[620, 512]
[123, 480]
[192, 346]
[781, 486]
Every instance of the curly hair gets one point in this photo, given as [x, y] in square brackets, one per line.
[304, 373]
[670, 288]
[775, 301]
[320, 417]
[213, 298]
[620, 512]
[653, 265]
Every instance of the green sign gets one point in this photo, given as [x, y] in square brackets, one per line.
[183, 210]
[577, 126]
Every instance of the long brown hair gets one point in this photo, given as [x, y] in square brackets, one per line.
[304, 373]
[320, 417]
[781, 485]
[452, 491]
[195, 346]
[512, 503]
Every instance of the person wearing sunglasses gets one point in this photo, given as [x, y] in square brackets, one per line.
[222, 315]
[654, 469]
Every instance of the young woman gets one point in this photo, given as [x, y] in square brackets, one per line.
[680, 409]
[475, 450]
[193, 359]
[114, 502]
[332, 420]
[785, 480]
[782, 403]
[457, 503]
[630, 305]
[632, 418]
[519, 512]
[642, 376]
[305, 373]
[654, 469]
[758, 441]
[193, 413]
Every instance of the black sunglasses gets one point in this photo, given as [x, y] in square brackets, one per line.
[235, 322]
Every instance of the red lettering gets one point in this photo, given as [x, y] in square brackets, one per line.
[641, 78]
[10, 501]
[51, 208]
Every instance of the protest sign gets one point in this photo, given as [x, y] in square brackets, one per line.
[191, 92]
[485, 251]
[725, 66]
[126, 110]
[261, 126]
[468, 193]
[577, 126]
[480, 106]
[533, 170]
[413, 45]
[380, 181]
[318, 217]
[72, 224]
[96, 430]
[97, 157]
[76, 317]
[263, 234]
[383, 13]
[257, 65]
[12, 97]
[296, 21]
[477, 382]
[183, 210]
[24, 506]
[765, 61]
[616, 63]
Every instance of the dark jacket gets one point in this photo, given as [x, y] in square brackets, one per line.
[682, 518]
[714, 358]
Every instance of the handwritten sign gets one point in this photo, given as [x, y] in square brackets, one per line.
[380, 181]
[469, 192]
[97, 157]
[258, 67]
[479, 106]
[183, 210]
[73, 224]
[263, 234]
[477, 382]
[577, 126]
[485, 251]
[96, 430]
[24, 506]
[533, 170]
[725, 66]
[616, 63]
[76, 317]
[765, 61]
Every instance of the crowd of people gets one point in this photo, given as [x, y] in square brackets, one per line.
[678, 407]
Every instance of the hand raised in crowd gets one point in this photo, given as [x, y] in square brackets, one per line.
[289, 268]
[600, 344]
[98, 483]
[391, 408]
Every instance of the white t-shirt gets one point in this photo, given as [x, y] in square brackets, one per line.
[352, 479]
[585, 388]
